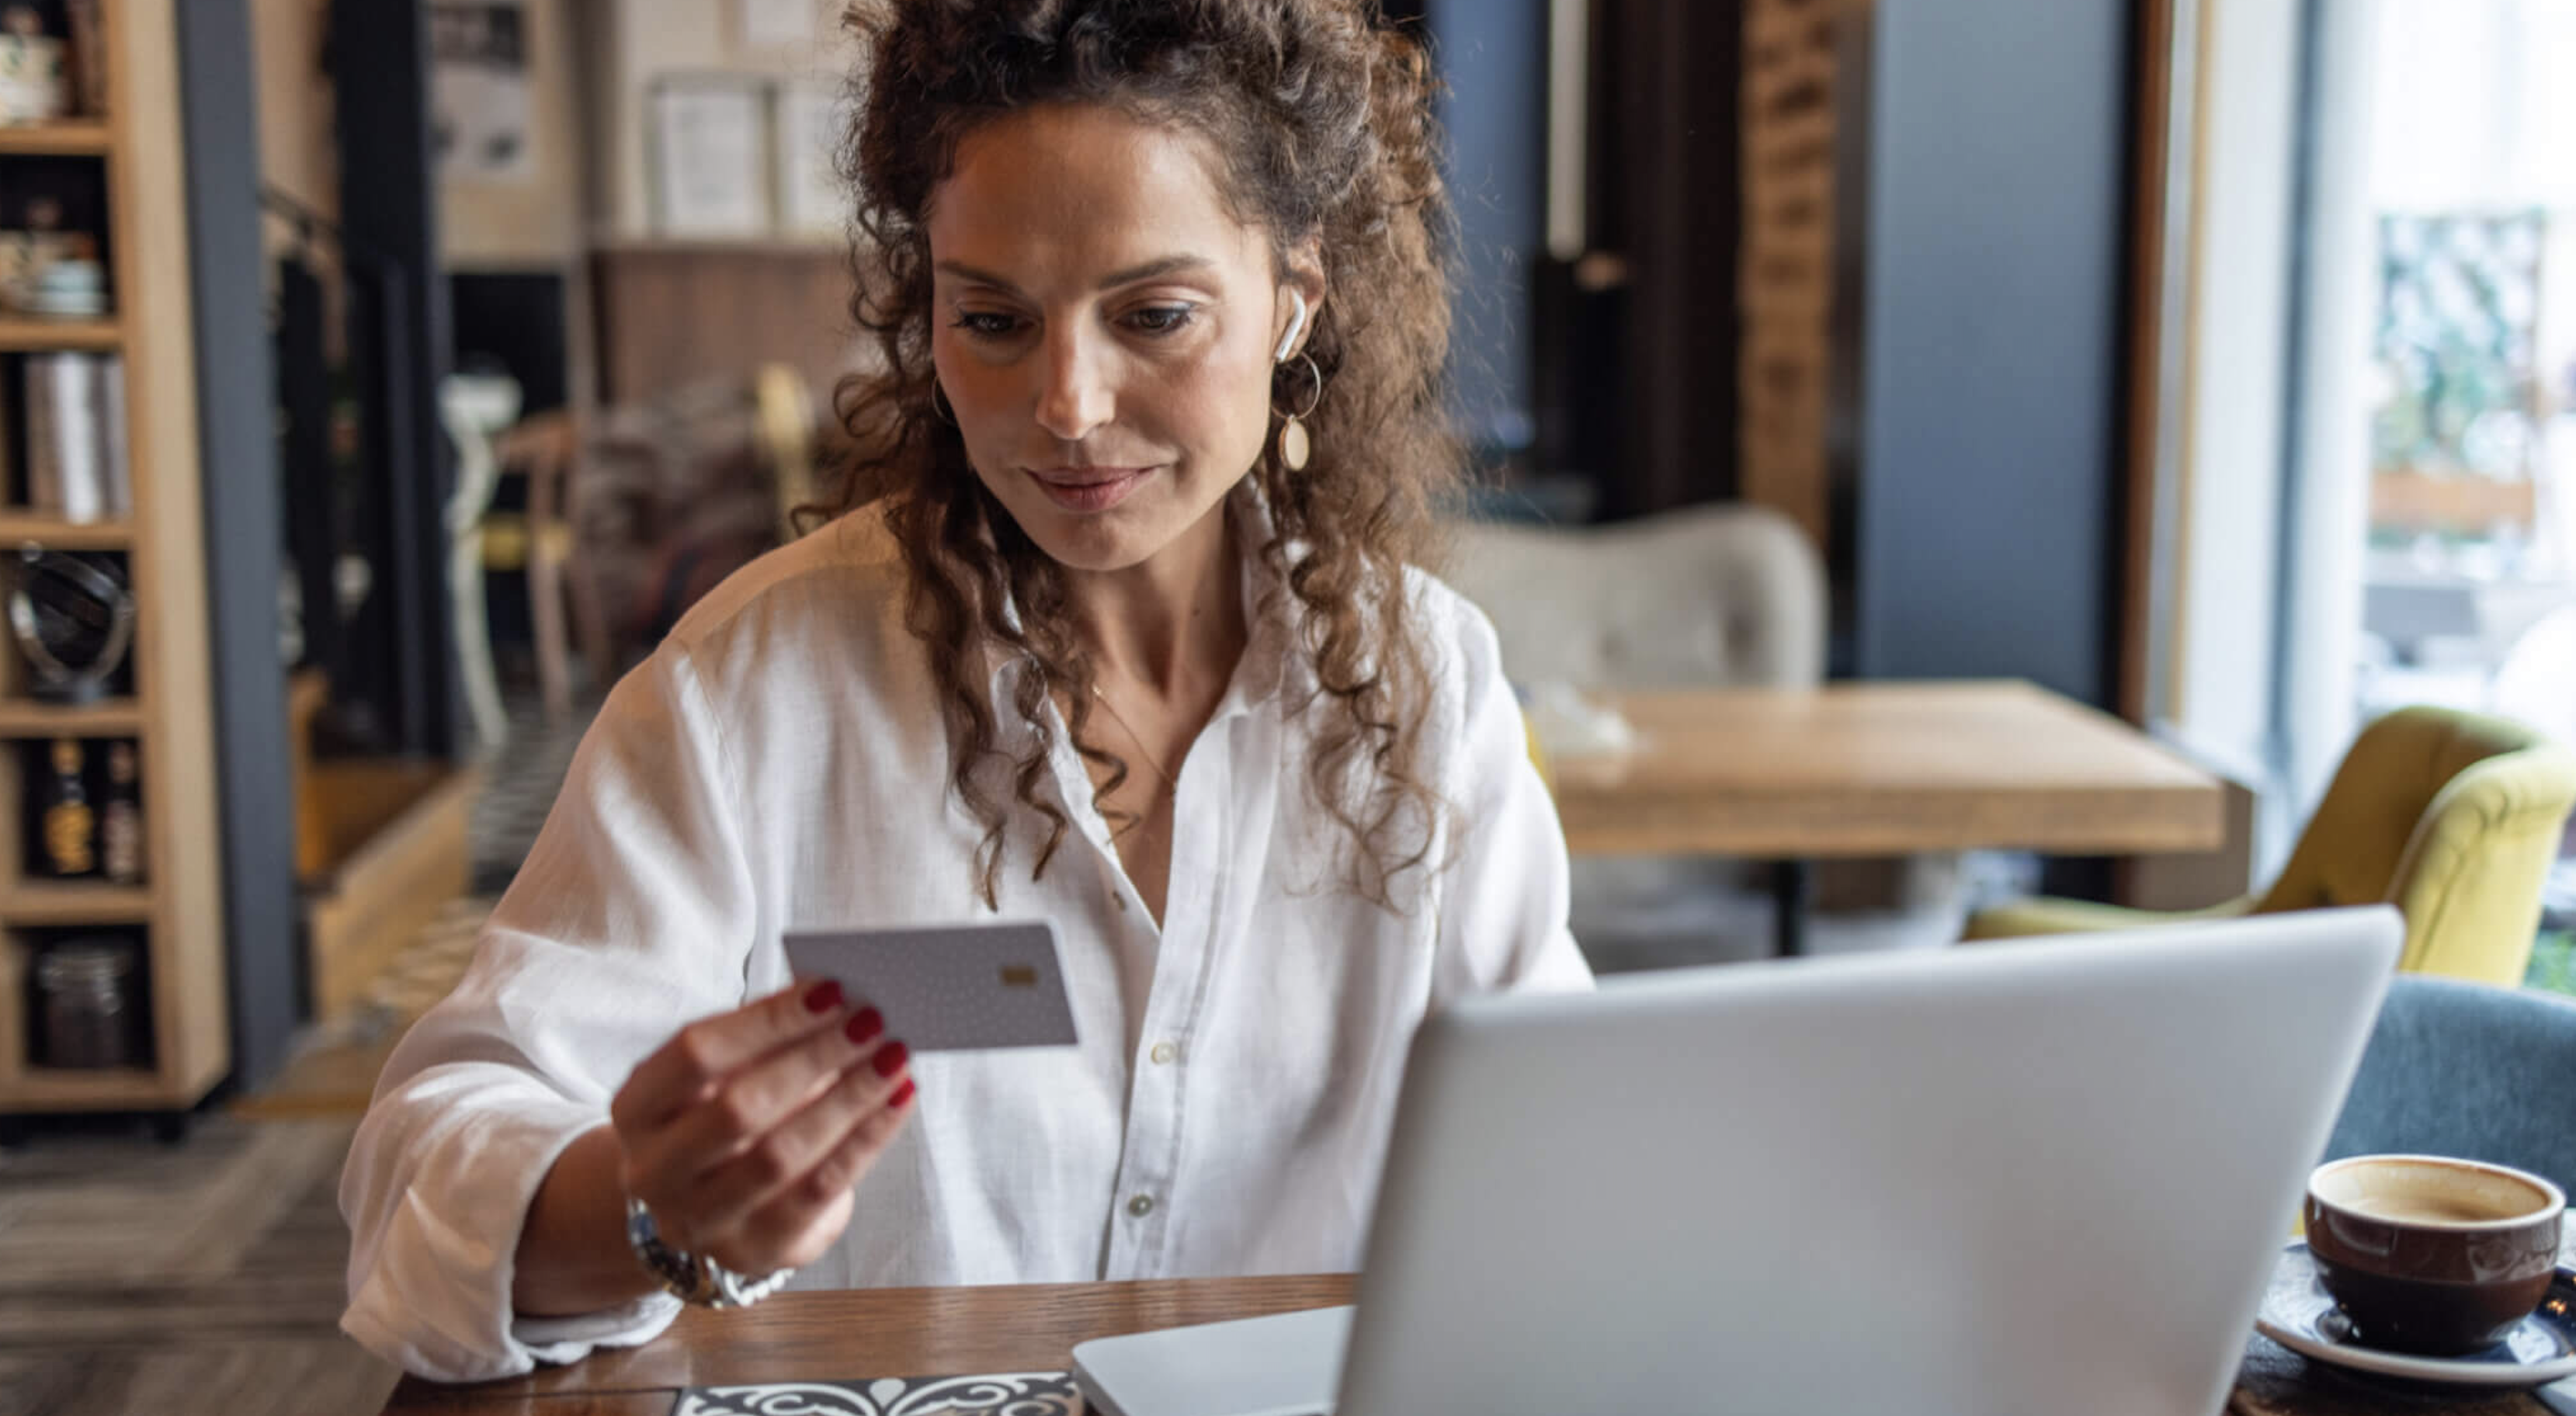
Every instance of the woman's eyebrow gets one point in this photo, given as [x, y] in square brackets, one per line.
[964, 271]
[1154, 269]
[1148, 270]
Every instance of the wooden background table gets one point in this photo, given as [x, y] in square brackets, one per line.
[1878, 769]
[865, 1334]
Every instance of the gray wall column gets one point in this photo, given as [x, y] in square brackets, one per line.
[1988, 490]
[238, 461]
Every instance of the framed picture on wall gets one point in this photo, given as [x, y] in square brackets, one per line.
[778, 24]
[809, 115]
[709, 152]
[478, 90]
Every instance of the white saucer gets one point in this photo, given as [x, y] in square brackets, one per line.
[2297, 1314]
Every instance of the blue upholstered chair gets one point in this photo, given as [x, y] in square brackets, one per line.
[2468, 1070]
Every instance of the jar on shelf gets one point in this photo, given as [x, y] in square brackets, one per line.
[86, 1006]
[120, 819]
[35, 68]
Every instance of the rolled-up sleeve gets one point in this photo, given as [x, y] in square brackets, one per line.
[633, 914]
[1505, 905]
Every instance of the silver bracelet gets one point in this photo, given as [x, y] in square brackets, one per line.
[692, 1278]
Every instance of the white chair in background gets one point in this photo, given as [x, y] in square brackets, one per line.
[1714, 596]
[475, 408]
[2536, 683]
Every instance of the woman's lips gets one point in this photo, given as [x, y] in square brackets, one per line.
[1088, 488]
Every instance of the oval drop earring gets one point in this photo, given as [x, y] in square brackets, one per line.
[1295, 447]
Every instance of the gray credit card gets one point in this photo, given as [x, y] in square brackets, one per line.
[947, 988]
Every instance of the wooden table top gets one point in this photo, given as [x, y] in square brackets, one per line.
[919, 1332]
[1864, 769]
[880, 1332]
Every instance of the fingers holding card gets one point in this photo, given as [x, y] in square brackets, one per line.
[948, 988]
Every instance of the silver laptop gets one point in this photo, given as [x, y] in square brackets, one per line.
[2040, 1177]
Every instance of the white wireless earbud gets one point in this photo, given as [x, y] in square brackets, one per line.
[1296, 327]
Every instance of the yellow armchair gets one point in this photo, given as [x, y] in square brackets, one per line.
[2452, 817]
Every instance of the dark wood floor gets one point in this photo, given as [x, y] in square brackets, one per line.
[202, 1277]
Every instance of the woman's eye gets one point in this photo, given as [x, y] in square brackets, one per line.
[1161, 319]
[986, 324]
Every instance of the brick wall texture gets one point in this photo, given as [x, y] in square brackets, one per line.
[1785, 270]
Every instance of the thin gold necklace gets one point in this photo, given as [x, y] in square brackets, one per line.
[1137, 738]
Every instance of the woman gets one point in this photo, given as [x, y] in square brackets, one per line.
[1120, 633]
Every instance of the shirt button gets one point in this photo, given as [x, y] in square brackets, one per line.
[1118, 900]
[1141, 1206]
[1164, 1052]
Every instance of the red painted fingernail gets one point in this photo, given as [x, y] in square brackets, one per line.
[865, 1024]
[890, 1058]
[901, 1095]
[823, 997]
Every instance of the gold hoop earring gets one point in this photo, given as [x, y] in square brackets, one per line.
[1295, 447]
[938, 405]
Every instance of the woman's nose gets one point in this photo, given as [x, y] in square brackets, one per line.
[1074, 398]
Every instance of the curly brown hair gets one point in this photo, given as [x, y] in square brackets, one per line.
[1319, 115]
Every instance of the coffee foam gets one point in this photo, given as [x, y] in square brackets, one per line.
[2435, 1192]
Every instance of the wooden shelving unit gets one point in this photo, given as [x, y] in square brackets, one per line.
[119, 1089]
[72, 137]
[178, 910]
[23, 335]
[116, 717]
[29, 905]
[18, 528]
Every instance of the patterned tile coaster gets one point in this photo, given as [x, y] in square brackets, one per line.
[1000, 1394]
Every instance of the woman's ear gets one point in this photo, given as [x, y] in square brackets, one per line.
[1302, 281]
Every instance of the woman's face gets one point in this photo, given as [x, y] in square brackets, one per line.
[1102, 329]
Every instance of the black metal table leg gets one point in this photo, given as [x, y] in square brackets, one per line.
[1792, 895]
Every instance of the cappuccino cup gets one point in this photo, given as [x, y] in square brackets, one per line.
[2432, 1255]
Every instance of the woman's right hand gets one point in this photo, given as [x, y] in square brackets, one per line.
[746, 1133]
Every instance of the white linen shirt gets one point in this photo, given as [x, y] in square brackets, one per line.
[780, 762]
